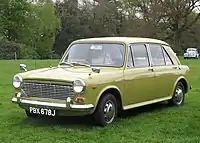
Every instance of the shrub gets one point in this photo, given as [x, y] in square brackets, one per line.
[8, 49]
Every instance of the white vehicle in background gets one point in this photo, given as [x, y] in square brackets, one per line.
[191, 53]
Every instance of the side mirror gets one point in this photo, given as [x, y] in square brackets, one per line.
[23, 67]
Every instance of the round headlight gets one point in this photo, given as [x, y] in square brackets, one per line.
[78, 86]
[17, 81]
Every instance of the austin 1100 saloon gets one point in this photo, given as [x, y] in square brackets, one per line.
[102, 77]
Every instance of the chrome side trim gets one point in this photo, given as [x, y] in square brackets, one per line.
[146, 103]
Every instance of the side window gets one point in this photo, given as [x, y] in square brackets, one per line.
[168, 60]
[140, 56]
[130, 59]
[157, 55]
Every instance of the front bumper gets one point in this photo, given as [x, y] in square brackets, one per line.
[190, 56]
[67, 109]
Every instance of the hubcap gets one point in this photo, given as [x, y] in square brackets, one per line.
[109, 111]
[179, 95]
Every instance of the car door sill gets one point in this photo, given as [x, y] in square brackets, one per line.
[146, 103]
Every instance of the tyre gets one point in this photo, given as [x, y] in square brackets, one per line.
[178, 96]
[106, 110]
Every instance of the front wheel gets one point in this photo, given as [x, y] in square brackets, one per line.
[106, 110]
[179, 95]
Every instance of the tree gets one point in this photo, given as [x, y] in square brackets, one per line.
[170, 17]
[44, 25]
[69, 13]
[90, 19]
[13, 18]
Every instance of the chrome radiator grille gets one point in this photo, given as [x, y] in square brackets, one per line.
[47, 90]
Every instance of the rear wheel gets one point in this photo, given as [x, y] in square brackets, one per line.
[179, 95]
[106, 110]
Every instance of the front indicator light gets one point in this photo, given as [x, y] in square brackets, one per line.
[80, 100]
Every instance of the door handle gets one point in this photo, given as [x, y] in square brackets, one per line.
[150, 69]
[174, 67]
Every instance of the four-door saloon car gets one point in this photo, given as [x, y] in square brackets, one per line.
[191, 53]
[102, 77]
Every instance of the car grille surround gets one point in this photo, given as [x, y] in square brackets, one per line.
[48, 90]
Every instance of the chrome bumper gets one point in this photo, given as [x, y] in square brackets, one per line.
[189, 56]
[67, 106]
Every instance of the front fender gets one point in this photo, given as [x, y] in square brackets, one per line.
[104, 90]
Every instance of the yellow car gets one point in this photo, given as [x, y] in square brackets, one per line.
[102, 77]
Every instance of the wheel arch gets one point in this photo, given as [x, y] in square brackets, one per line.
[185, 83]
[112, 90]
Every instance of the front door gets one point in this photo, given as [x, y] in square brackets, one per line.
[139, 76]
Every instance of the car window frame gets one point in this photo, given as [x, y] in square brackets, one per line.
[94, 42]
[164, 50]
[130, 46]
[151, 54]
[129, 51]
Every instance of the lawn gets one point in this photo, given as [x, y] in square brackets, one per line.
[155, 123]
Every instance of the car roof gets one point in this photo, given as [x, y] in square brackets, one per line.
[191, 48]
[126, 40]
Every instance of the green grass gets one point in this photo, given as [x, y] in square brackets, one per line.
[155, 123]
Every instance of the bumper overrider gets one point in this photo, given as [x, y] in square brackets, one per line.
[65, 109]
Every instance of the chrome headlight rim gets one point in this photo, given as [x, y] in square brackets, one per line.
[79, 86]
[17, 81]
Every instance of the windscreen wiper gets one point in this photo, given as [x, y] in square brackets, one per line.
[80, 64]
[67, 63]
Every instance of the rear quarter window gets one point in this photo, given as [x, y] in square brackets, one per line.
[172, 55]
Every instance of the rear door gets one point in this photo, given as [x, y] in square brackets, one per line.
[165, 70]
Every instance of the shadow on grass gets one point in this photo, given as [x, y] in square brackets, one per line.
[82, 122]
[87, 122]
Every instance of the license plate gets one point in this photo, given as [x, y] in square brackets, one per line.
[42, 111]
